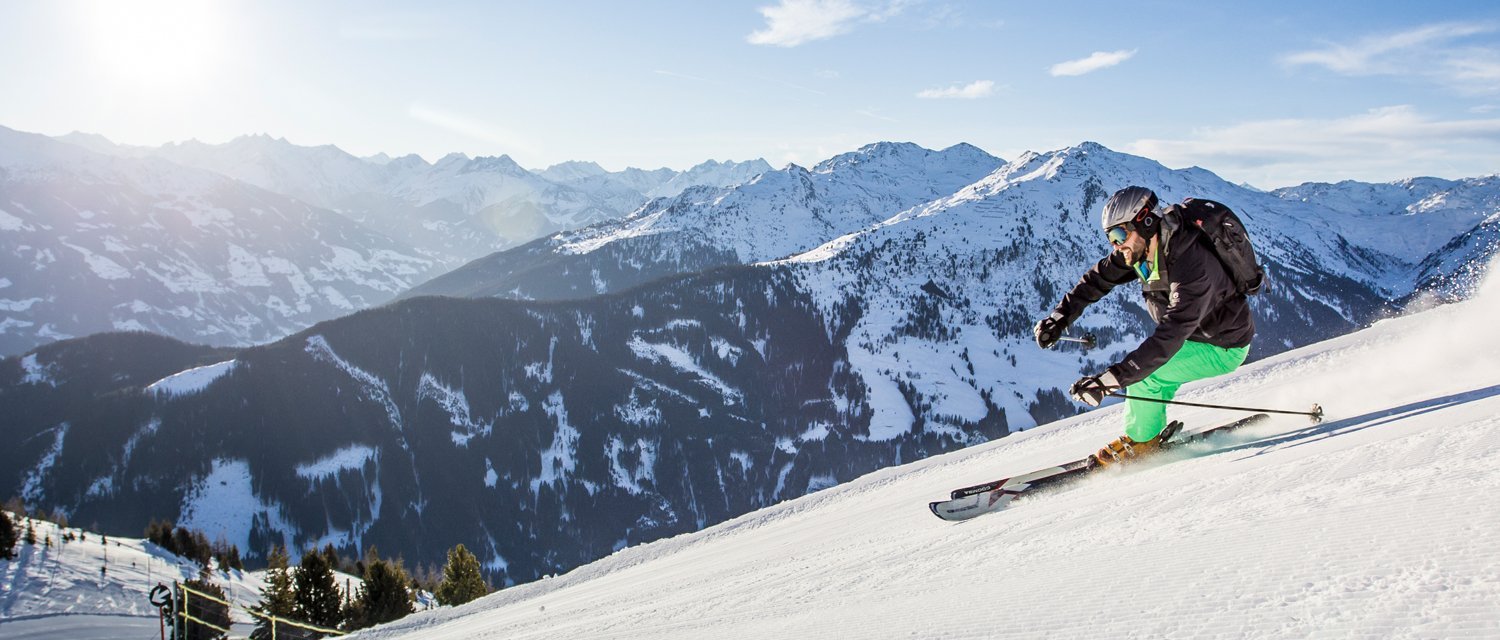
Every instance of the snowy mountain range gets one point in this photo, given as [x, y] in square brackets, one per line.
[249, 241]
[544, 435]
[457, 208]
[92, 243]
[777, 214]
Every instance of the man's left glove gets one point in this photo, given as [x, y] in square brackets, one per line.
[1091, 390]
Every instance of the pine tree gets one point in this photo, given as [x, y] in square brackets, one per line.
[385, 596]
[317, 599]
[209, 611]
[8, 537]
[30, 532]
[461, 579]
[277, 598]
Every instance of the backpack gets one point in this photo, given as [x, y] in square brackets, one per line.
[1224, 232]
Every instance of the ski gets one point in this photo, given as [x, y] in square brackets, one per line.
[1230, 426]
[979, 499]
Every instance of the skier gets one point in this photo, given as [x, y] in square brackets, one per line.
[1203, 325]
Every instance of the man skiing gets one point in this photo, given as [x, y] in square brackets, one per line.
[1203, 329]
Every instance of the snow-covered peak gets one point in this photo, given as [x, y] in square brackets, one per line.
[713, 173]
[780, 212]
[1352, 197]
[1087, 158]
[494, 164]
[408, 162]
[35, 157]
[451, 160]
[320, 175]
[873, 152]
[964, 150]
[572, 170]
[19, 148]
[98, 143]
[1409, 218]
[906, 156]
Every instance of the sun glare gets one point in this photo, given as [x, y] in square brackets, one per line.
[154, 44]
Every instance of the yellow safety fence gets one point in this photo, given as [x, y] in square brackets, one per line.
[275, 621]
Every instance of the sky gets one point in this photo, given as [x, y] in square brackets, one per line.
[1271, 93]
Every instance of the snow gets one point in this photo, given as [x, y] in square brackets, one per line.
[637, 414]
[560, 458]
[491, 477]
[682, 361]
[35, 373]
[372, 386]
[624, 475]
[777, 213]
[1377, 523]
[456, 405]
[817, 431]
[245, 269]
[350, 458]
[102, 266]
[9, 222]
[31, 488]
[224, 505]
[746, 463]
[191, 381]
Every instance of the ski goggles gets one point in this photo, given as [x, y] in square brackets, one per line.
[1118, 234]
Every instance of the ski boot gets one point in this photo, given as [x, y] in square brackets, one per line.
[1124, 449]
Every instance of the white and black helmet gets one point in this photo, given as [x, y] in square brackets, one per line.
[1130, 205]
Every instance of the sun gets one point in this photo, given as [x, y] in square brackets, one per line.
[154, 44]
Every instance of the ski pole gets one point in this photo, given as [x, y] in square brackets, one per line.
[1316, 413]
[1088, 340]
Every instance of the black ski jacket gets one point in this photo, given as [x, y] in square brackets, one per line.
[1194, 299]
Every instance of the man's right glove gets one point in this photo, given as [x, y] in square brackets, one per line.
[1050, 329]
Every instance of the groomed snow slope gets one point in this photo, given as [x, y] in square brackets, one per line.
[58, 591]
[1378, 523]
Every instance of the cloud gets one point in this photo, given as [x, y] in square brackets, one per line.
[795, 22]
[1098, 60]
[1381, 144]
[871, 113]
[1432, 51]
[976, 89]
[471, 127]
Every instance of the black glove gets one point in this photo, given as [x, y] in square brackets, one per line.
[1050, 329]
[1091, 390]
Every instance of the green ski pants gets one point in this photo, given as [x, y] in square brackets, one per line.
[1194, 361]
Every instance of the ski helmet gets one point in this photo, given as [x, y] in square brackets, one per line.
[1131, 204]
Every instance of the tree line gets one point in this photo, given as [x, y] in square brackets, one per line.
[307, 593]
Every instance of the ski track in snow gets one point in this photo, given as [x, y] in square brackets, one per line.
[1377, 523]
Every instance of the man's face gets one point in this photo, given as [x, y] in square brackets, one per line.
[1132, 249]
